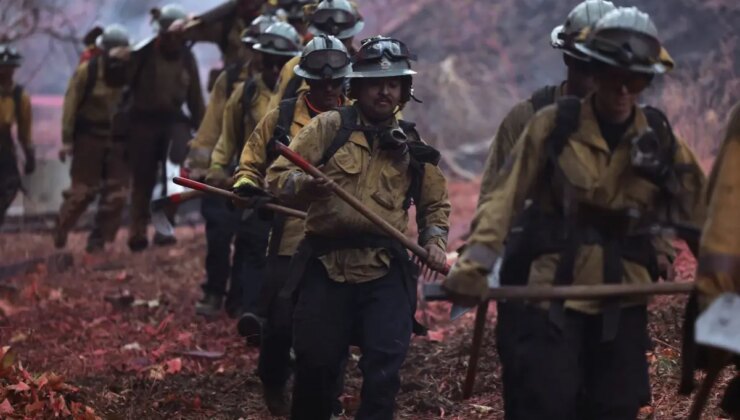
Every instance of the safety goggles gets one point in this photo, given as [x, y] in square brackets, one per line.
[277, 43]
[614, 79]
[8, 53]
[333, 16]
[317, 61]
[376, 49]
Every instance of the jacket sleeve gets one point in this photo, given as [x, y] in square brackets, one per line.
[230, 128]
[285, 179]
[503, 142]
[719, 257]
[494, 216]
[72, 98]
[25, 121]
[254, 162]
[433, 209]
[691, 203]
[196, 103]
[210, 127]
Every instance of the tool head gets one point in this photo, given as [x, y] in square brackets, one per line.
[719, 325]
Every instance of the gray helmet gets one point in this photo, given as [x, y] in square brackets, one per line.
[336, 17]
[324, 58]
[627, 38]
[166, 16]
[582, 16]
[258, 26]
[9, 56]
[381, 56]
[113, 36]
[279, 39]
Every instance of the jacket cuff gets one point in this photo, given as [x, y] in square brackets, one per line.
[434, 234]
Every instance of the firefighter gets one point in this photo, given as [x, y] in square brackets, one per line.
[15, 109]
[99, 168]
[338, 18]
[244, 109]
[163, 75]
[352, 283]
[324, 65]
[597, 173]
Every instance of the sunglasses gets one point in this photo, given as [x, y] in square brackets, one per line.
[375, 49]
[333, 16]
[317, 61]
[614, 79]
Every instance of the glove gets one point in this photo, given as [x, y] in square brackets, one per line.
[245, 187]
[217, 177]
[65, 152]
[30, 160]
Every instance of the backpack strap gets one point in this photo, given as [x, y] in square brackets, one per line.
[17, 98]
[232, 77]
[349, 118]
[566, 123]
[92, 78]
[250, 89]
[291, 89]
[543, 97]
[281, 133]
[420, 154]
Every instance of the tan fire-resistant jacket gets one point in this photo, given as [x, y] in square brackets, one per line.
[163, 86]
[509, 131]
[254, 163]
[719, 258]
[94, 115]
[210, 128]
[377, 178]
[239, 123]
[595, 176]
[8, 117]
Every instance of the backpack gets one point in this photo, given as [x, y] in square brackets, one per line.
[543, 97]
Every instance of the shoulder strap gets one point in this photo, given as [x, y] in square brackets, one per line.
[291, 89]
[17, 98]
[232, 77]
[566, 123]
[659, 123]
[92, 77]
[250, 89]
[349, 116]
[543, 97]
[286, 110]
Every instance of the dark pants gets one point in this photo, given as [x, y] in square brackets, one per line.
[571, 373]
[10, 178]
[328, 316]
[274, 362]
[249, 236]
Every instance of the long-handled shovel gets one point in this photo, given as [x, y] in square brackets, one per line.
[205, 188]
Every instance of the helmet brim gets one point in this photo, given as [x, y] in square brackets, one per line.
[595, 55]
[555, 39]
[347, 33]
[379, 74]
[260, 48]
[341, 74]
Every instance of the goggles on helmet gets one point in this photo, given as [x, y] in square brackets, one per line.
[374, 49]
[277, 42]
[333, 16]
[6, 51]
[627, 47]
[317, 61]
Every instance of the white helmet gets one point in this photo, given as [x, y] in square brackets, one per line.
[325, 57]
[280, 38]
[582, 16]
[166, 16]
[113, 36]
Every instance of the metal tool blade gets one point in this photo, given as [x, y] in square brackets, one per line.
[719, 325]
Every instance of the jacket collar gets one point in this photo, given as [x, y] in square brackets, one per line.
[589, 132]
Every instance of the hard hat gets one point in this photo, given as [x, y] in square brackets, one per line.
[325, 57]
[381, 56]
[626, 38]
[166, 16]
[279, 39]
[257, 27]
[9, 56]
[336, 17]
[113, 36]
[582, 16]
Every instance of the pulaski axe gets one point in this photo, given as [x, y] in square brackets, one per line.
[164, 209]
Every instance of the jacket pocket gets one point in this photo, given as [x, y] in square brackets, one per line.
[347, 162]
[391, 187]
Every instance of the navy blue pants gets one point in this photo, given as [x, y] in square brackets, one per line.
[571, 373]
[328, 316]
[246, 268]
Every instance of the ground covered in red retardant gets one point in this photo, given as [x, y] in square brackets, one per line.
[115, 336]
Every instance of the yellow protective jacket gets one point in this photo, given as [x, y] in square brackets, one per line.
[596, 177]
[210, 128]
[239, 123]
[719, 257]
[8, 117]
[88, 111]
[377, 178]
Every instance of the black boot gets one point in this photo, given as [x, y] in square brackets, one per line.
[95, 242]
[209, 306]
[164, 240]
[250, 326]
[138, 243]
[276, 400]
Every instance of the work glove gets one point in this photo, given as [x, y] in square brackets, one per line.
[65, 152]
[437, 257]
[30, 160]
[217, 177]
[312, 188]
[245, 187]
[467, 282]
[197, 162]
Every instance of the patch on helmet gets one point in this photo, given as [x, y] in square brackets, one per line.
[385, 64]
